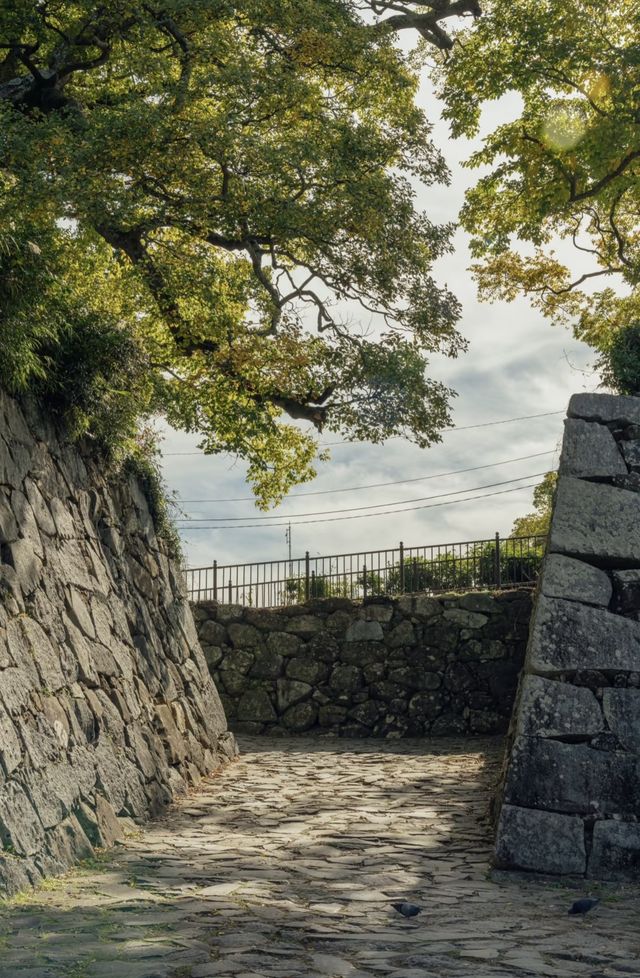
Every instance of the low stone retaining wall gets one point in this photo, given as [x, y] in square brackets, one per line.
[405, 666]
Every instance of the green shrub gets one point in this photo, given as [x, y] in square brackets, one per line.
[619, 362]
[143, 463]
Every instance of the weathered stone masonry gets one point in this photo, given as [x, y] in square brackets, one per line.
[571, 796]
[107, 709]
[411, 665]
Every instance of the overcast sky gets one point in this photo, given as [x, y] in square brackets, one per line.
[517, 364]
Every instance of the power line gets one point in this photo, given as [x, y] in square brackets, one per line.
[362, 516]
[356, 509]
[374, 485]
[468, 427]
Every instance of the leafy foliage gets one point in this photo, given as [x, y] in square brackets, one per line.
[567, 169]
[619, 360]
[63, 337]
[538, 522]
[320, 586]
[444, 573]
[189, 192]
[143, 462]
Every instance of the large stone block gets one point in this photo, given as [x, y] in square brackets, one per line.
[419, 606]
[244, 636]
[606, 408]
[307, 670]
[256, 705]
[365, 631]
[27, 565]
[379, 612]
[631, 453]
[622, 710]
[300, 717]
[615, 854]
[402, 634]
[480, 601]
[553, 709]
[564, 577]
[626, 593]
[229, 612]
[595, 522]
[589, 451]
[282, 643]
[346, 678]
[21, 830]
[573, 778]
[291, 691]
[212, 633]
[8, 523]
[10, 746]
[544, 842]
[569, 637]
[267, 665]
[358, 653]
[305, 625]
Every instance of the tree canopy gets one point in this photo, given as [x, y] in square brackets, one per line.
[196, 194]
[557, 215]
[191, 194]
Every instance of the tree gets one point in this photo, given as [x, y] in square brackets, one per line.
[320, 586]
[448, 571]
[538, 522]
[567, 169]
[204, 185]
[619, 360]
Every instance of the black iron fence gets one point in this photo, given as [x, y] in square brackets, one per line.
[473, 565]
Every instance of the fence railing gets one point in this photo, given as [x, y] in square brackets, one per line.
[472, 565]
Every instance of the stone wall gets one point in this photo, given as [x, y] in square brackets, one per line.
[409, 666]
[107, 708]
[571, 797]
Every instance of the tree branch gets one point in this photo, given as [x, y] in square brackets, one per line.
[599, 185]
[427, 24]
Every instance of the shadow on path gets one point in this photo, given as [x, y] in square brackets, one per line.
[284, 866]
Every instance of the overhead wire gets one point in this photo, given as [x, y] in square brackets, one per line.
[373, 485]
[468, 427]
[361, 516]
[356, 509]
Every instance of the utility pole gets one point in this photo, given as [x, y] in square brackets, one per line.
[287, 536]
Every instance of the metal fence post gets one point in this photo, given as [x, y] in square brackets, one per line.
[498, 575]
[364, 580]
[401, 563]
[230, 593]
[215, 580]
[306, 575]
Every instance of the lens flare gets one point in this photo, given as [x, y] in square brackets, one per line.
[597, 86]
[564, 127]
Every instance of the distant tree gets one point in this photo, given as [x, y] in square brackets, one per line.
[320, 586]
[619, 360]
[538, 522]
[446, 572]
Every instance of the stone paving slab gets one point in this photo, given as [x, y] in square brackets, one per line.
[284, 865]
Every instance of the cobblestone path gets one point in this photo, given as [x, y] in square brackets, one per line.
[284, 866]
